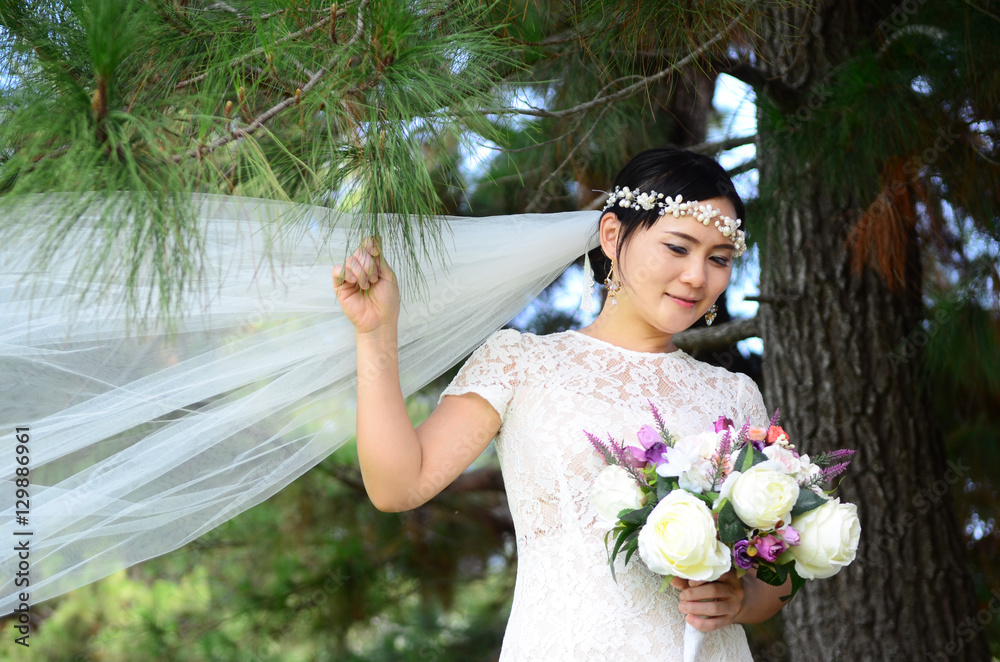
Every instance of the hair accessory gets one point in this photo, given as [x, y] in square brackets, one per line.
[634, 199]
[612, 284]
[710, 315]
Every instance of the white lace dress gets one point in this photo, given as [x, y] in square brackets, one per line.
[548, 390]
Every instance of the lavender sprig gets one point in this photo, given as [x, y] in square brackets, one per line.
[615, 453]
[620, 453]
[609, 457]
[741, 437]
[664, 433]
[726, 443]
[775, 418]
[825, 459]
[826, 474]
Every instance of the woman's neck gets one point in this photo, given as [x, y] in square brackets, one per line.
[622, 330]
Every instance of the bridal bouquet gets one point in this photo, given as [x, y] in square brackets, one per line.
[695, 506]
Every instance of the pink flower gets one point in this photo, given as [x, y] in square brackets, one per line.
[756, 434]
[790, 535]
[652, 449]
[770, 547]
[723, 423]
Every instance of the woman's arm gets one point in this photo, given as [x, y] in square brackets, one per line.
[761, 601]
[402, 467]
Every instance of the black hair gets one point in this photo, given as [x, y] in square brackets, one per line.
[670, 171]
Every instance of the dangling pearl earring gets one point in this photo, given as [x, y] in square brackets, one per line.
[710, 315]
[612, 285]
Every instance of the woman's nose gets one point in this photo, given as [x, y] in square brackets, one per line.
[694, 274]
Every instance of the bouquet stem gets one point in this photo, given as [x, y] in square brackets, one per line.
[693, 639]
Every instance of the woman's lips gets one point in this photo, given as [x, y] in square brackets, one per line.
[682, 302]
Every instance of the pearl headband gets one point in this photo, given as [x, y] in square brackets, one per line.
[634, 199]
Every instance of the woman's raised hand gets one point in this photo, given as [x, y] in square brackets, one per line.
[366, 289]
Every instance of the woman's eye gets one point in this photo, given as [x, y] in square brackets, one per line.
[680, 250]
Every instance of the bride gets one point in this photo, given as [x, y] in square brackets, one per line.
[670, 261]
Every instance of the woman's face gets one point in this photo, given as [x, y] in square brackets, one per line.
[673, 272]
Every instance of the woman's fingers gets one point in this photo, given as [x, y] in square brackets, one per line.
[711, 605]
[364, 267]
[356, 267]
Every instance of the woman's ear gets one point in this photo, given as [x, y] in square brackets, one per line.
[609, 229]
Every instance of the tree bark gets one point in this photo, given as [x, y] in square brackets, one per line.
[834, 365]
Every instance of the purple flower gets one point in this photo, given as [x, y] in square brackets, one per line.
[741, 555]
[723, 423]
[790, 535]
[770, 546]
[652, 450]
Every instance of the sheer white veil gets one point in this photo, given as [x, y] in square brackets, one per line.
[138, 444]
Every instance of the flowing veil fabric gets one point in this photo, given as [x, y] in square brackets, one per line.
[138, 444]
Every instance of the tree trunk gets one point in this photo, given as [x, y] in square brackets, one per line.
[834, 364]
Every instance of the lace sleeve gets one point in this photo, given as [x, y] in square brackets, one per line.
[751, 403]
[492, 371]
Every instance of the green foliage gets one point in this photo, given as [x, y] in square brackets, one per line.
[731, 529]
[248, 98]
[808, 500]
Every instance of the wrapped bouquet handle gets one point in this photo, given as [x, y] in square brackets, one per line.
[693, 641]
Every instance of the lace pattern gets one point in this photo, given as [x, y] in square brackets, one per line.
[547, 390]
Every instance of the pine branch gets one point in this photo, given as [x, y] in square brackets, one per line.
[717, 146]
[289, 37]
[742, 168]
[717, 337]
[742, 70]
[536, 201]
[627, 91]
[258, 122]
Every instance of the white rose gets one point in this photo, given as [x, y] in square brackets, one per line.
[764, 494]
[614, 490]
[679, 539]
[828, 539]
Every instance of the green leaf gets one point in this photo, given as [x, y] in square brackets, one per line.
[787, 556]
[662, 488]
[797, 583]
[808, 500]
[625, 536]
[741, 459]
[731, 529]
[772, 576]
[637, 516]
[756, 457]
[633, 546]
[704, 497]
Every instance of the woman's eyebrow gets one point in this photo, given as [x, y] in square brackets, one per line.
[696, 242]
